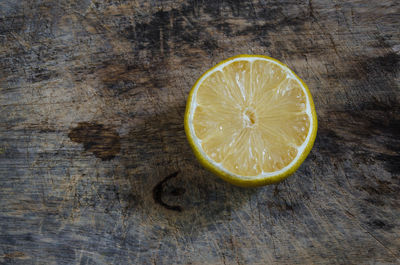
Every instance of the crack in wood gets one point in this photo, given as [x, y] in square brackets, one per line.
[158, 191]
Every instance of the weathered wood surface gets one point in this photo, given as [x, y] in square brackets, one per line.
[94, 164]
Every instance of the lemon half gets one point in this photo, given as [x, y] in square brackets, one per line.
[250, 120]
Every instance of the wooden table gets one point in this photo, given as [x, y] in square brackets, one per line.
[94, 163]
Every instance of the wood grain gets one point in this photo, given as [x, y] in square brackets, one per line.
[94, 163]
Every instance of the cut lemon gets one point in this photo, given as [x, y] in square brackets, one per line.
[251, 120]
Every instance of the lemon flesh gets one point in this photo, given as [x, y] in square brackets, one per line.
[251, 120]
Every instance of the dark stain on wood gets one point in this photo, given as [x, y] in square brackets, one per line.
[158, 191]
[379, 224]
[362, 130]
[177, 191]
[175, 25]
[388, 63]
[376, 71]
[96, 138]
